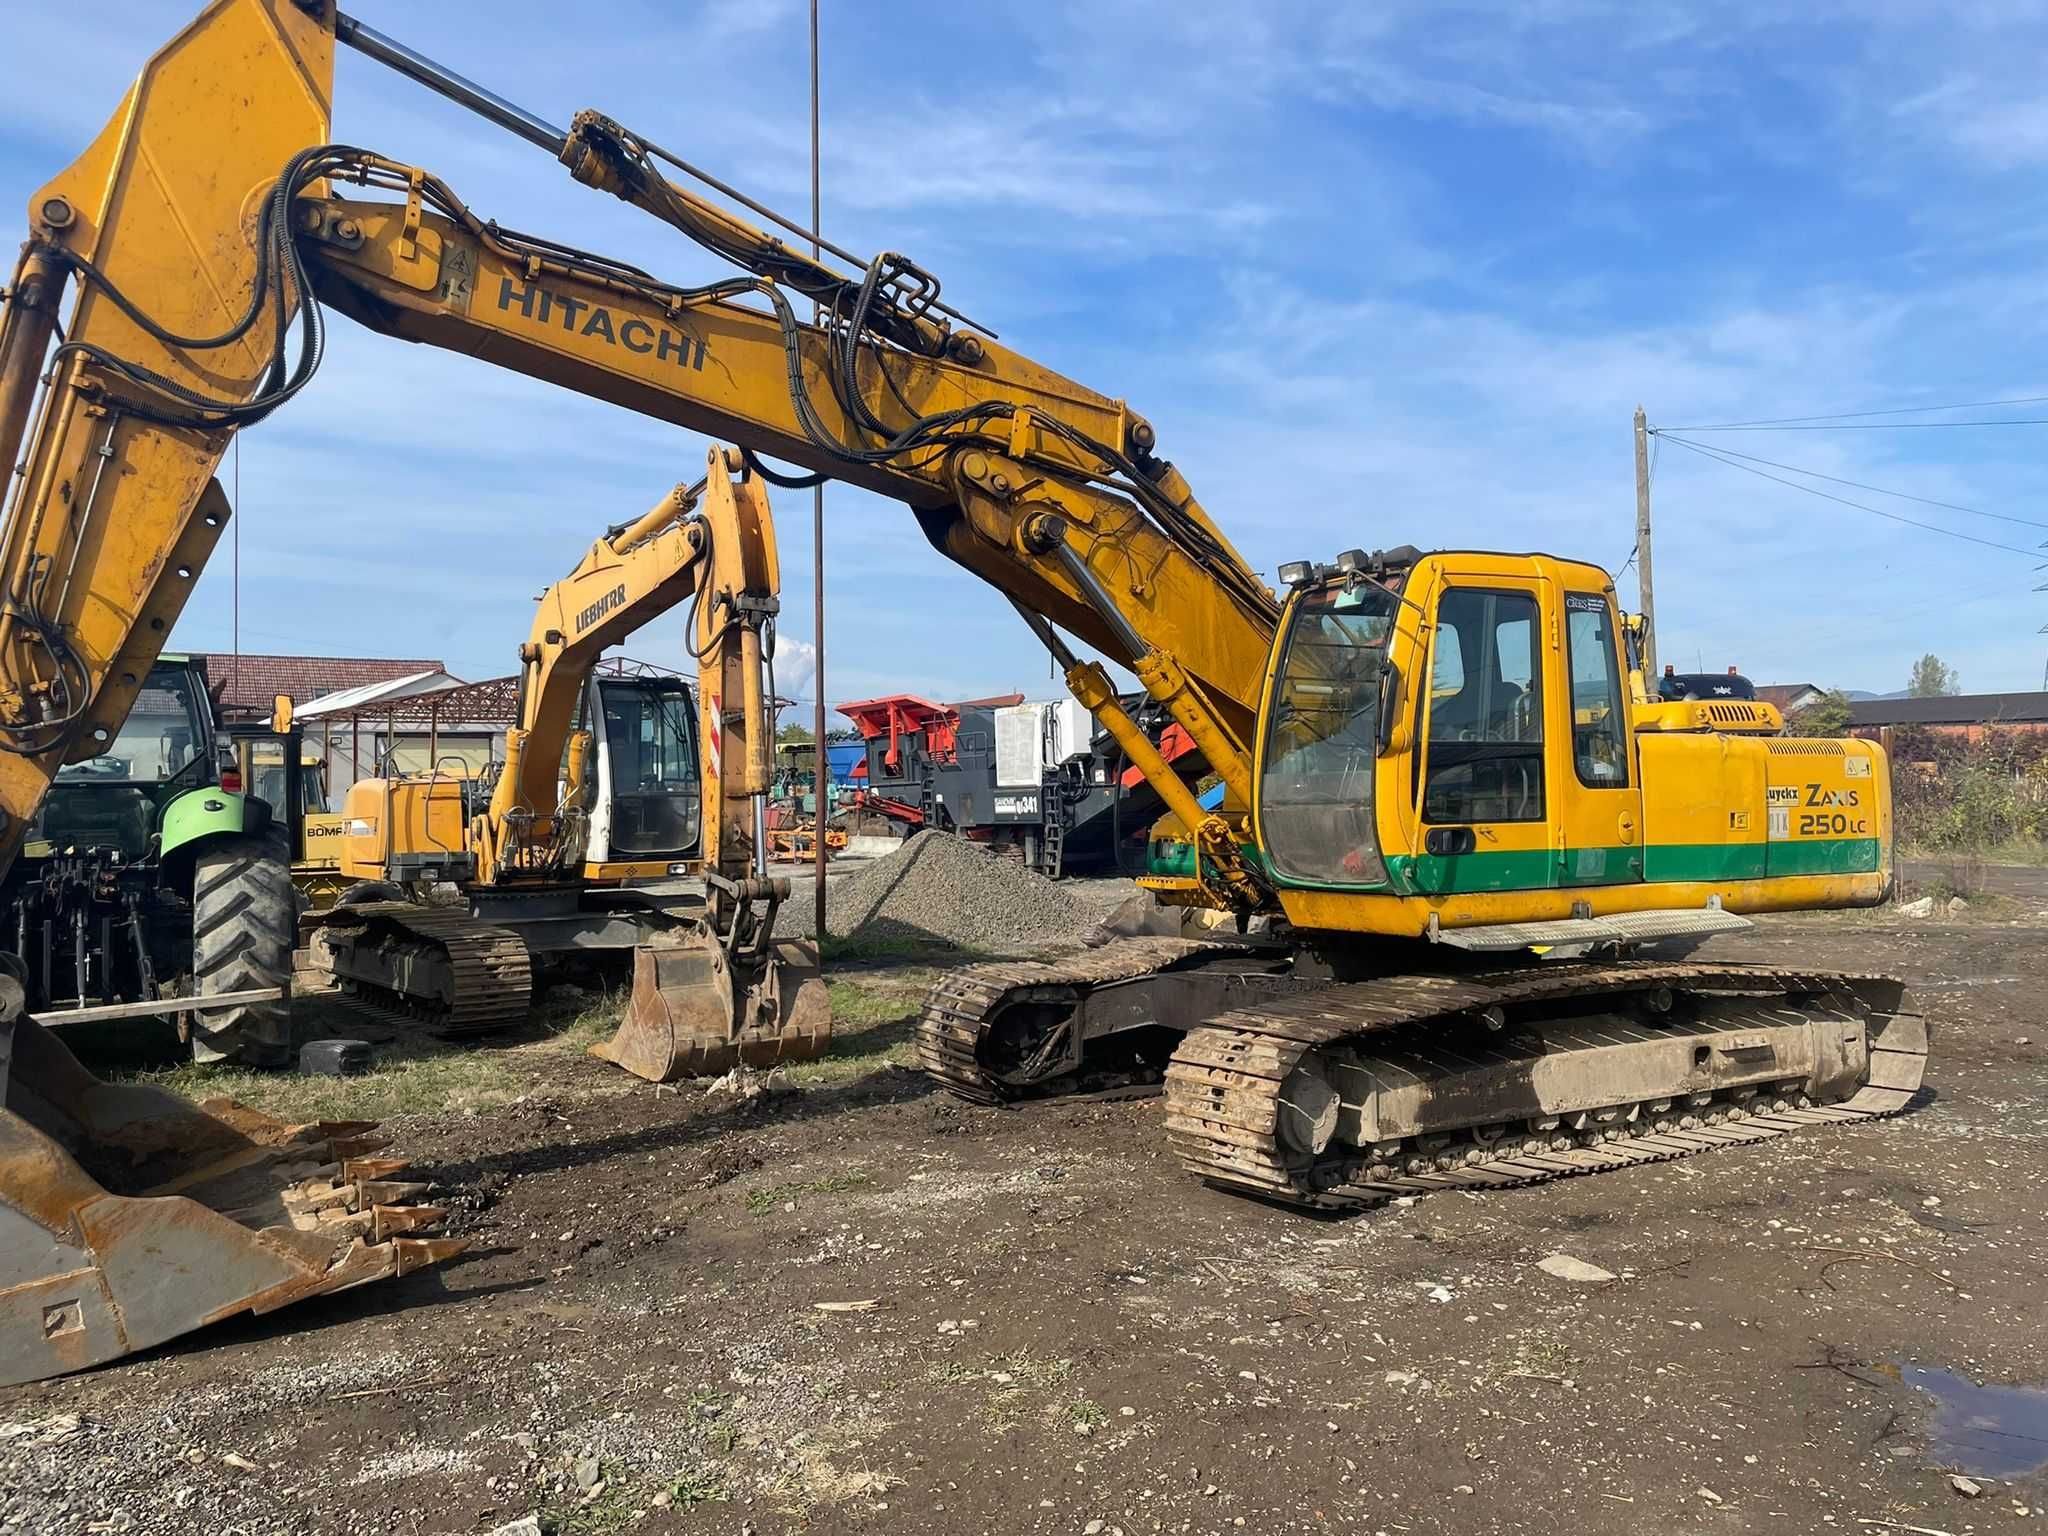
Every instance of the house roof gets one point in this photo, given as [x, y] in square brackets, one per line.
[253, 681]
[1954, 709]
[1782, 695]
[345, 701]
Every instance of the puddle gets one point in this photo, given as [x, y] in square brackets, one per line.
[1990, 1431]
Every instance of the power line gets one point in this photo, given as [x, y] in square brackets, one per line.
[1902, 410]
[1925, 501]
[1878, 426]
[1968, 538]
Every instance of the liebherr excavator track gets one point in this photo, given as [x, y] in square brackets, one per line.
[1343, 1095]
[454, 974]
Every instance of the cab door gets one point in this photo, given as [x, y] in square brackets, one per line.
[1601, 799]
[1485, 792]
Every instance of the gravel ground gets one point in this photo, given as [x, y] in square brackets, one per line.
[942, 889]
[860, 1308]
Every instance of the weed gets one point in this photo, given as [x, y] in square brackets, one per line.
[1040, 1371]
[1085, 1411]
[699, 1485]
[763, 1200]
[609, 1512]
[949, 1373]
[1002, 1412]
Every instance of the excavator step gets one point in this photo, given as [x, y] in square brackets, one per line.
[1621, 928]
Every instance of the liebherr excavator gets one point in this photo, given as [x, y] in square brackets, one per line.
[1438, 767]
[711, 987]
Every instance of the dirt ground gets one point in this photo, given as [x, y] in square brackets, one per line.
[1068, 1336]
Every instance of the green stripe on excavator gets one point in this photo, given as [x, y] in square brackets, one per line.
[1543, 868]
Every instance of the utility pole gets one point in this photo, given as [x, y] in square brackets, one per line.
[1647, 604]
[820, 774]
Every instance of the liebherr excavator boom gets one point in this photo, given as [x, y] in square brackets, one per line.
[1436, 766]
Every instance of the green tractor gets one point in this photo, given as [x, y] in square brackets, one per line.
[150, 876]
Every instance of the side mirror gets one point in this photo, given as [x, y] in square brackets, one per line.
[1390, 698]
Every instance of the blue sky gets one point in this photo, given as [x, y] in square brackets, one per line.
[1378, 273]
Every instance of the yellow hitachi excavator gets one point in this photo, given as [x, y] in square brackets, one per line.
[711, 986]
[1455, 822]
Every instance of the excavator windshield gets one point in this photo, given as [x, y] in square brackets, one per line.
[1322, 737]
[650, 736]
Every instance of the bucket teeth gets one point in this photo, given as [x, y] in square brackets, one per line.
[356, 1169]
[419, 1252]
[178, 1215]
[387, 1191]
[386, 1220]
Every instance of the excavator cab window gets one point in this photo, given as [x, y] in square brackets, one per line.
[650, 745]
[1599, 734]
[1322, 738]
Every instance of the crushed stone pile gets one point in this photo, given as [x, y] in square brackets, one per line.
[938, 888]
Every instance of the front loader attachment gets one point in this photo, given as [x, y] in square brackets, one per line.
[129, 1216]
[697, 1012]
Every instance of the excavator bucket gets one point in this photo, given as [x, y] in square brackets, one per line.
[695, 1014]
[129, 1216]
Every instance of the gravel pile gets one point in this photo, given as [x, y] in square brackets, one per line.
[938, 888]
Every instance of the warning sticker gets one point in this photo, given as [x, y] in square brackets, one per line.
[1856, 767]
[1781, 822]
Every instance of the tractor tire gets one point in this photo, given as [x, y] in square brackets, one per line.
[244, 922]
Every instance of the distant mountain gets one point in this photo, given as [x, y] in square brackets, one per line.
[1859, 693]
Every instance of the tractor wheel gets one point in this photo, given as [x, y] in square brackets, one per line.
[244, 919]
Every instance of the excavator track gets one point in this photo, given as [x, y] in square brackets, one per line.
[1235, 1083]
[483, 974]
[953, 1028]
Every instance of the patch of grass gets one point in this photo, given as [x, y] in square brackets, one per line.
[871, 1026]
[1084, 1411]
[763, 1200]
[1003, 1410]
[699, 1485]
[574, 1030]
[409, 1076]
[1039, 1371]
[609, 1512]
[860, 1002]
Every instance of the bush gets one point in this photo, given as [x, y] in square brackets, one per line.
[1951, 794]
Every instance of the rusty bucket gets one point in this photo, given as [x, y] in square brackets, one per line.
[129, 1216]
[695, 1013]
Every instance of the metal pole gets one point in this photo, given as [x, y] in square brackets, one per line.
[817, 565]
[1648, 601]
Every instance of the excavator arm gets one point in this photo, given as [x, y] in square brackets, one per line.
[713, 541]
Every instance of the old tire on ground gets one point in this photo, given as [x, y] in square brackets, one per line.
[244, 920]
